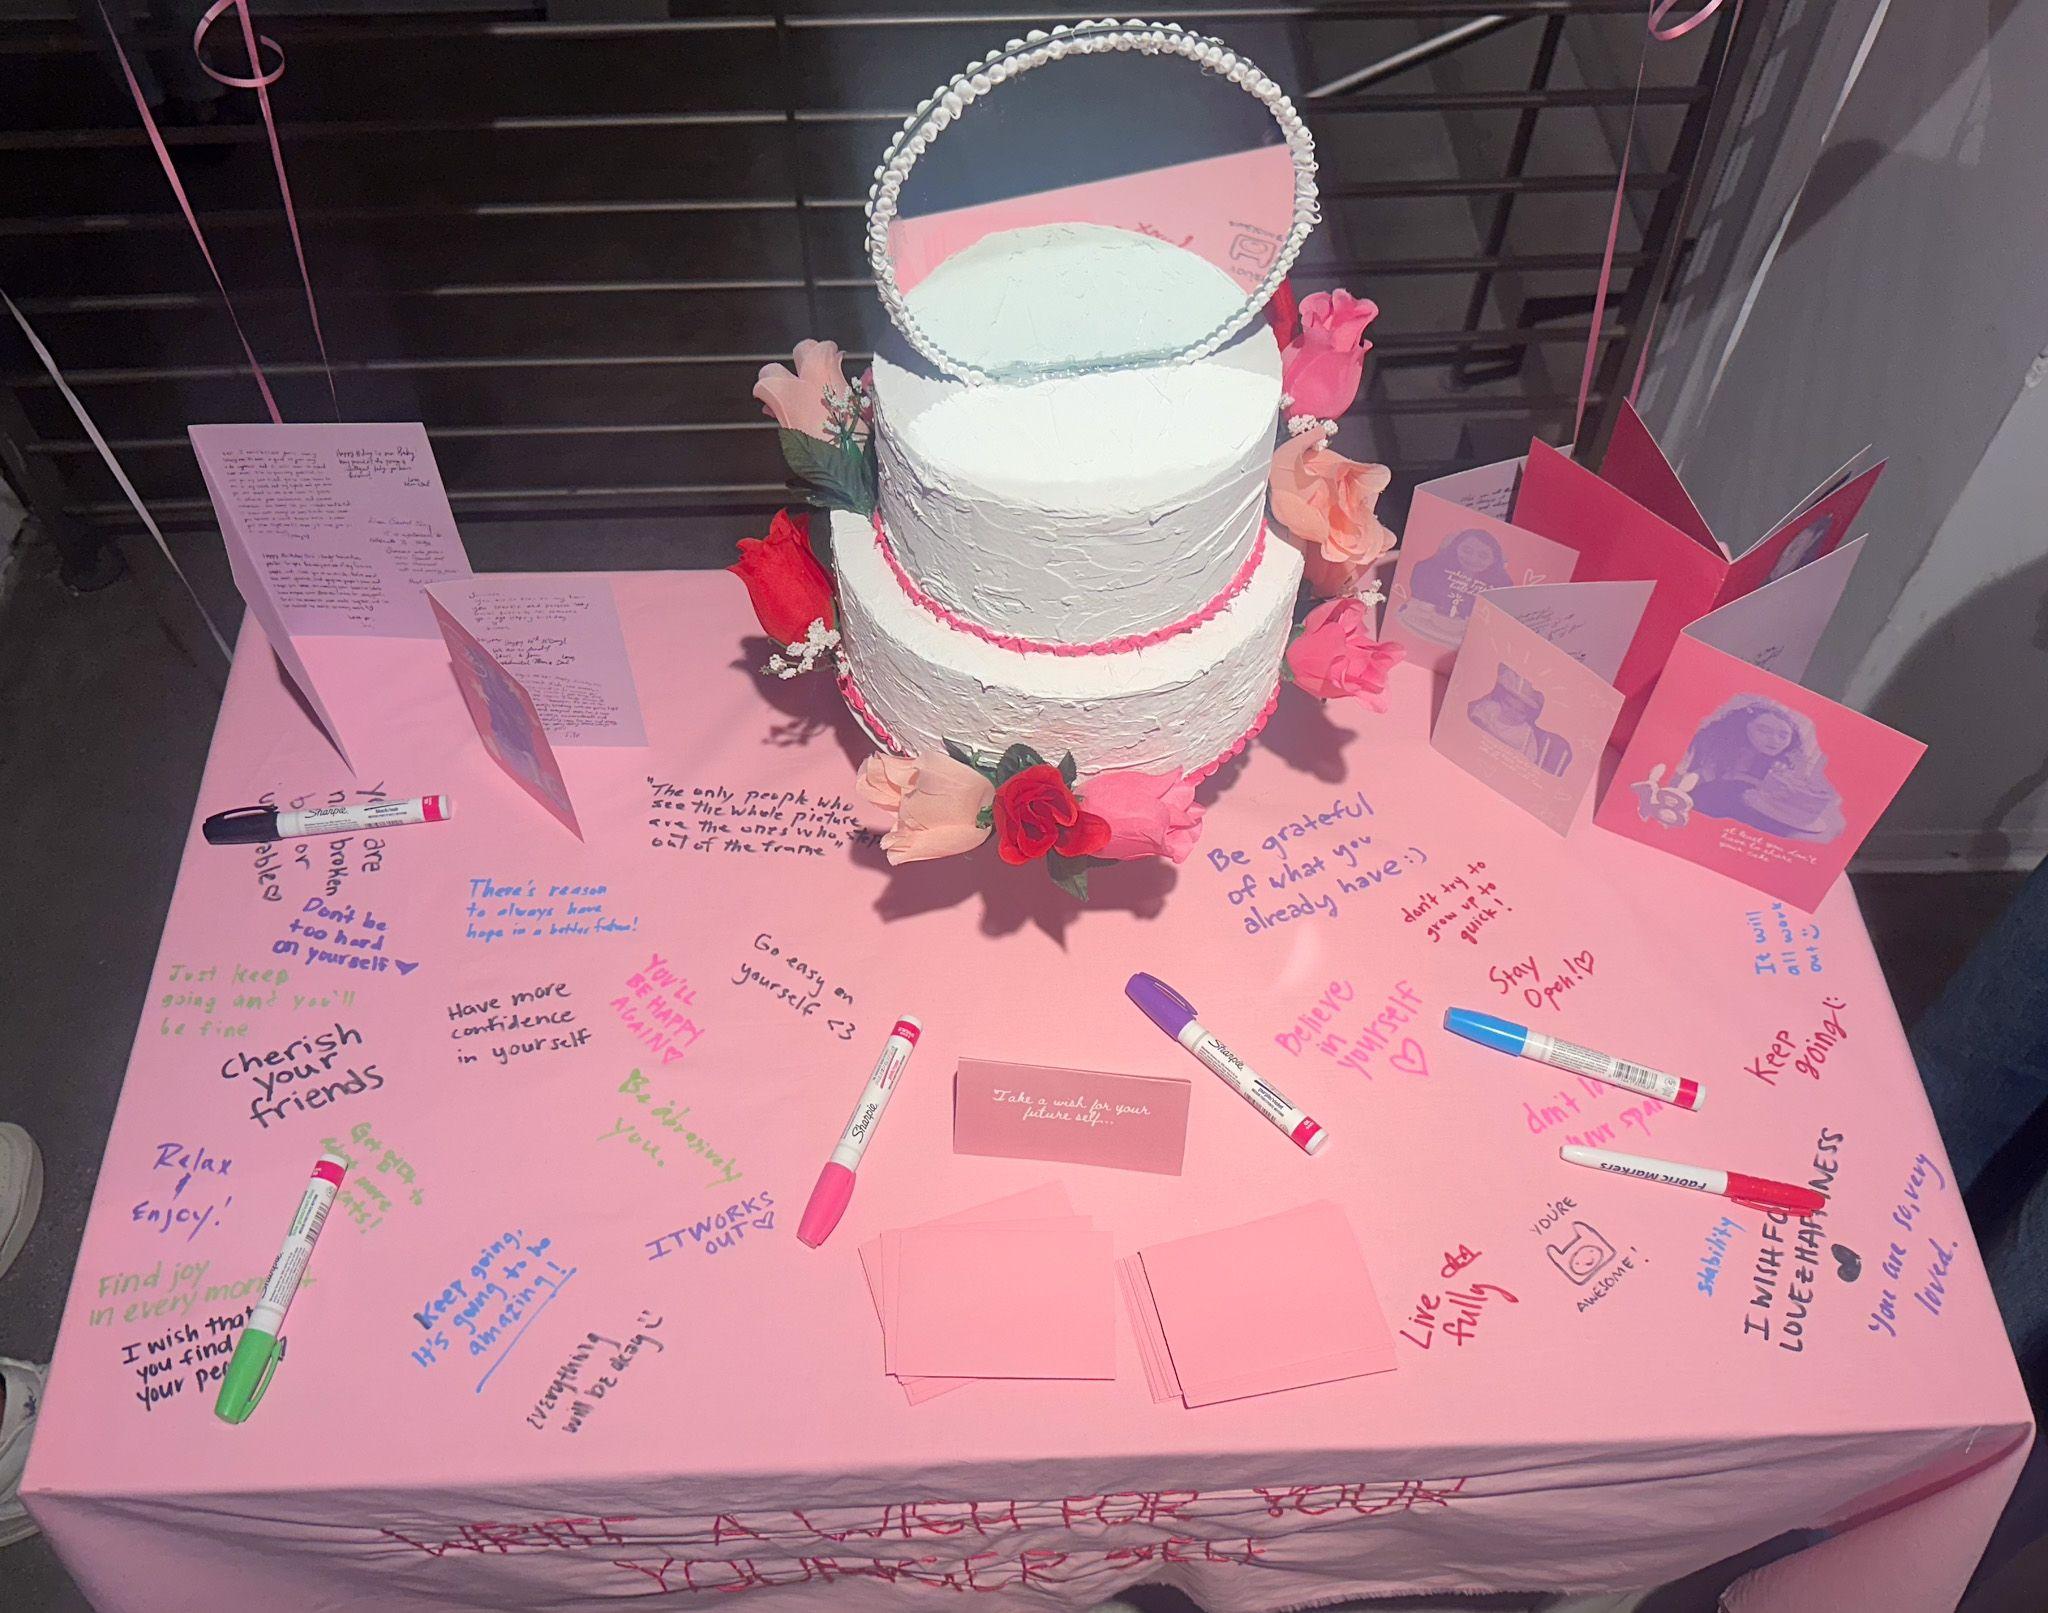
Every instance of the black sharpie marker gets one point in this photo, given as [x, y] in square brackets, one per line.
[254, 826]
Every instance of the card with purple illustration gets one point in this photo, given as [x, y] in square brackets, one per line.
[1076, 1117]
[1738, 767]
[1451, 553]
[506, 720]
[1528, 711]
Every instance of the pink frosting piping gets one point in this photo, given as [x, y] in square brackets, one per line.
[1108, 646]
[881, 736]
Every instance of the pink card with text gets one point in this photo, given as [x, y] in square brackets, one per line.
[1075, 1117]
[342, 526]
[1452, 553]
[1737, 767]
[506, 720]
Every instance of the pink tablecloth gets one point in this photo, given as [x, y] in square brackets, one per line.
[594, 1082]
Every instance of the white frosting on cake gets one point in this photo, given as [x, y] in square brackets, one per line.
[1052, 296]
[1084, 507]
[1175, 706]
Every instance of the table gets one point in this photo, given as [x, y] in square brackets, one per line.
[585, 1087]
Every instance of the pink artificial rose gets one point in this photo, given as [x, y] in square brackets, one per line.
[1321, 368]
[1327, 501]
[938, 804]
[1336, 654]
[815, 401]
[1150, 814]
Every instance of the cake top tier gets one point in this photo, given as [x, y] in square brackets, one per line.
[1063, 296]
[1113, 439]
[1083, 507]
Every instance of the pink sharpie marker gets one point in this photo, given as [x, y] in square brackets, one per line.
[835, 1182]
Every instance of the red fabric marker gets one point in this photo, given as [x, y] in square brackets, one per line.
[1760, 1191]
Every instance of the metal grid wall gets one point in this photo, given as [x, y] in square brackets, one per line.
[566, 244]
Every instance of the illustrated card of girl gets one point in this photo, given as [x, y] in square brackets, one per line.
[1739, 767]
[1450, 555]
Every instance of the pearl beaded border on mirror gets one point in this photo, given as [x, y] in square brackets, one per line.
[949, 101]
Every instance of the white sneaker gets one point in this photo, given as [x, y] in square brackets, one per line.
[21, 1189]
[24, 1380]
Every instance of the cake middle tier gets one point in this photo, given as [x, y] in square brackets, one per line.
[1180, 705]
[1081, 508]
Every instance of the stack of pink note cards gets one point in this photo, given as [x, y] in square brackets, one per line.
[1018, 1288]
[1278, 1303]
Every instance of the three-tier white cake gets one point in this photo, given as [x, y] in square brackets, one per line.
[1080, 563]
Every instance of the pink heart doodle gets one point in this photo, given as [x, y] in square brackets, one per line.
[1409, 1060]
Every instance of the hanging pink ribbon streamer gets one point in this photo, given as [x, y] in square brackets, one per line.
[120, 476]
[163, 157]
[1654, 29]
[260, 83]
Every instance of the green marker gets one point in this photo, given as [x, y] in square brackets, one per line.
[257, 1350]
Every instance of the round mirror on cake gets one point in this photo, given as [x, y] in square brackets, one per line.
[1138, 203]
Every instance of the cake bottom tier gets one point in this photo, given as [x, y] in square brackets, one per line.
[1184, 704]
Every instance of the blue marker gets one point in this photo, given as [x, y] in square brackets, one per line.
[1506, 1037]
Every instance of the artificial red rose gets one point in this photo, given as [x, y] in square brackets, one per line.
[1282, 314]
[790, 590]
[1036, 813]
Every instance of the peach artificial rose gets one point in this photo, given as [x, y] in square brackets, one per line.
[1328, 502]
[815, 400]
[937, 801]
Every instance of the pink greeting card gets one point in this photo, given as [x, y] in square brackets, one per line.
[1048, 1201]
[560, 637]
[1452, 553]
[1075, 1117]
[1618, 540]
[342, 526]
[263, 606]
[506, 720]
[1634, 521]
[330, 530]
[1737, 767]
[989, 1301]
[1522, 713]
